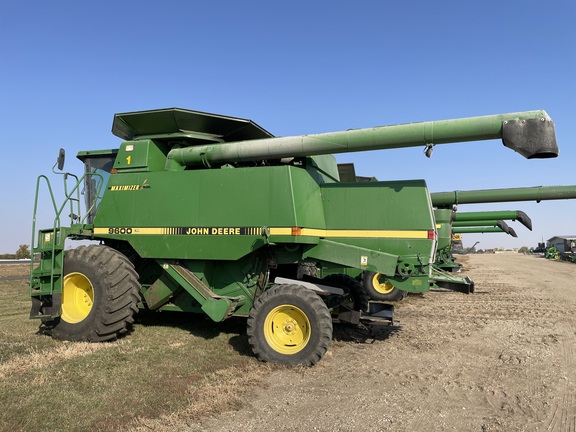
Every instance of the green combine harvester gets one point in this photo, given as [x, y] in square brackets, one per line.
[447, 224]
[446, 215]
[552, 253]
[210, 214]
[447, 219]
[379, 287]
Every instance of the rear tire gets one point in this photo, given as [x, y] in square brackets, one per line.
[289, 325]
[100, 294]
[356, 290]
[378, 288]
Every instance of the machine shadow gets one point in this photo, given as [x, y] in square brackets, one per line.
[363, 334]
[235, 329]
[201, 326]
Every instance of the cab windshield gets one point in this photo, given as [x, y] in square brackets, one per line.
[97, 171]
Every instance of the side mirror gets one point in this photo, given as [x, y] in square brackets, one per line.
[61, 158]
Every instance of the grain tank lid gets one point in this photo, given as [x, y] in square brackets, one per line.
[191, 127]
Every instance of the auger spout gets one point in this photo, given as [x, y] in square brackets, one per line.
[514, 215]
[482, 225]
[486, 229]
[536, 193]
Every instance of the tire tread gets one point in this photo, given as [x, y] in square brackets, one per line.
[120, 296]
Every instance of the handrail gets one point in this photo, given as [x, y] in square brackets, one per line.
[76, 189]
[70, 198]
[56, 224]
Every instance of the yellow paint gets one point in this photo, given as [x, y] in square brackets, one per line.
[382, 287]
[281, 231]
[77, 298]
[287, 329]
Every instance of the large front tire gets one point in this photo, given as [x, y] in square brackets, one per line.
[289, 325]
[379, 288]
[100, 294]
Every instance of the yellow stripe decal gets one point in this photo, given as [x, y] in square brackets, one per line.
[259, 231]
[281, 231]
[353, 233]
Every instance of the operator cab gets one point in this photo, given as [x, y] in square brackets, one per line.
[97, 167]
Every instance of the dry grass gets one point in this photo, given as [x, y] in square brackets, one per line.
[12, 270]
[171, 371]
[24, 363]
[220, 392]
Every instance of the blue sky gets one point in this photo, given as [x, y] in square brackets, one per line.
[294, 68]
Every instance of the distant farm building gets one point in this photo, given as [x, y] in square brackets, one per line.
[563, 243]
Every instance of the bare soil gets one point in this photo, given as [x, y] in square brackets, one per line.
[501, 359]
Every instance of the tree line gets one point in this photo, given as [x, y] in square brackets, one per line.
[23, 252]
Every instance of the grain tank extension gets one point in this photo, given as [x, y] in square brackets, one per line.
[205, 213]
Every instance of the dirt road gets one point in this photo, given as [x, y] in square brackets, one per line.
[502, 359]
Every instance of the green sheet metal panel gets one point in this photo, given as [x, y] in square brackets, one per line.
[193, 126]
[444, 227]
[206, 214]
[396, 216]
[397, 205]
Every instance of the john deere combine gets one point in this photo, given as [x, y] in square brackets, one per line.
[447, 217]
[205, 213]
[448, 221]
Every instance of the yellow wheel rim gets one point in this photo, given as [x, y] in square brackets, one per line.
[382, 288]
[77, 297]
[287, 329]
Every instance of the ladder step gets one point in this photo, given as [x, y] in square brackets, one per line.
[46, 273]
[48, 250]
